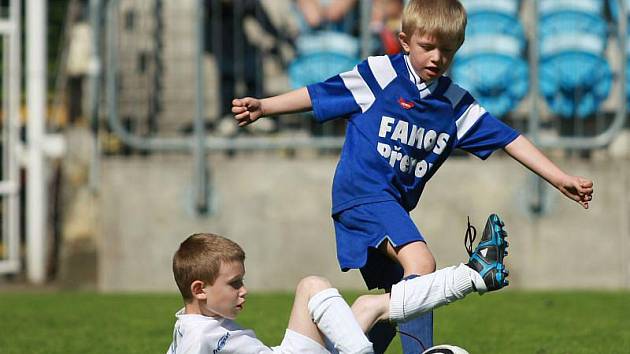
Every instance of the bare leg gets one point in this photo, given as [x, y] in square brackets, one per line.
[300, 320]
[370, 309]
[319, 310]
[414, 257]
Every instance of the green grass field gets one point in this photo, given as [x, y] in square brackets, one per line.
[505, 322]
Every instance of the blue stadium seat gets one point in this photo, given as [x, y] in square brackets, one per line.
[481, 23]
[575, 78]
[324, 51]
[498, 81]
[322, 54]
[571, 22]
[594, 7]
[575, 83]
[507, 7]
[490, 63]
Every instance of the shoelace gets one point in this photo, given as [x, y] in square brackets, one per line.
[469, 237]
[414, 338]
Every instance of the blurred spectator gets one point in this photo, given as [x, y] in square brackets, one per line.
[238, 58]
[320, 13]
[327, 44]
[385, 23]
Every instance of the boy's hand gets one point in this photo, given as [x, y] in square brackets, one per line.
[577, 188]
[246, 110]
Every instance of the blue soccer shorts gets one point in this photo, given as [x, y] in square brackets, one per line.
[361, 229]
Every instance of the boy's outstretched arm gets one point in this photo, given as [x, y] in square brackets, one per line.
[577, 188]
[247, 110]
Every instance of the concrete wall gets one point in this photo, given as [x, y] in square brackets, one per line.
[278, 210]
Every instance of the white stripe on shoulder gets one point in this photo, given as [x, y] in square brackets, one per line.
[454, 94]
[382, 70]
[361, 92]
[469, 118]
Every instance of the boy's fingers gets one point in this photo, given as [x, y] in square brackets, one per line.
[585, 192]
[574, 196]
[242, 116]
[248, 102]
[584, 188]
[586, 183]
[245, 102]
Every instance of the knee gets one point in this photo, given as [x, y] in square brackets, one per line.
[429, 266]
[421, 266]
[415, 258]
[426, 264]
[312, 284]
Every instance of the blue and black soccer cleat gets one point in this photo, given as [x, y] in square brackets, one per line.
[487, 258]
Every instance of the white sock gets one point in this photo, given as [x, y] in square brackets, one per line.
[412, 297]
[478, 282]
[335, 320]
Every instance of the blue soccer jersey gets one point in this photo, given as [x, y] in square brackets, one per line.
[399, 130]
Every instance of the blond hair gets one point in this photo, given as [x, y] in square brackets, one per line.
[444, 19]
[200, 257]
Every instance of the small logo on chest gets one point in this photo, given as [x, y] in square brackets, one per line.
[221, 343]
[405, 104]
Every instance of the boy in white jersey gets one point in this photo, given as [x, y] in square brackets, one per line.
[209, 272]
[404, 119]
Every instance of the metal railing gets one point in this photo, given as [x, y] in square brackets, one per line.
[10, 183]
[199, 143]
[538, 199]
[602, 139]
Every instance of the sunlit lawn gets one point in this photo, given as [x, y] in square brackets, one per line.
[506, 322]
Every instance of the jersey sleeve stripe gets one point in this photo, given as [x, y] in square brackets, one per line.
[454, 94]
[382, 70]
[469, 118]
[359, 88]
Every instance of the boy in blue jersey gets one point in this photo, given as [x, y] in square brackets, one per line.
[404, 119]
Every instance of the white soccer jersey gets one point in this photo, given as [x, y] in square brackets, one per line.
[198, 334]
